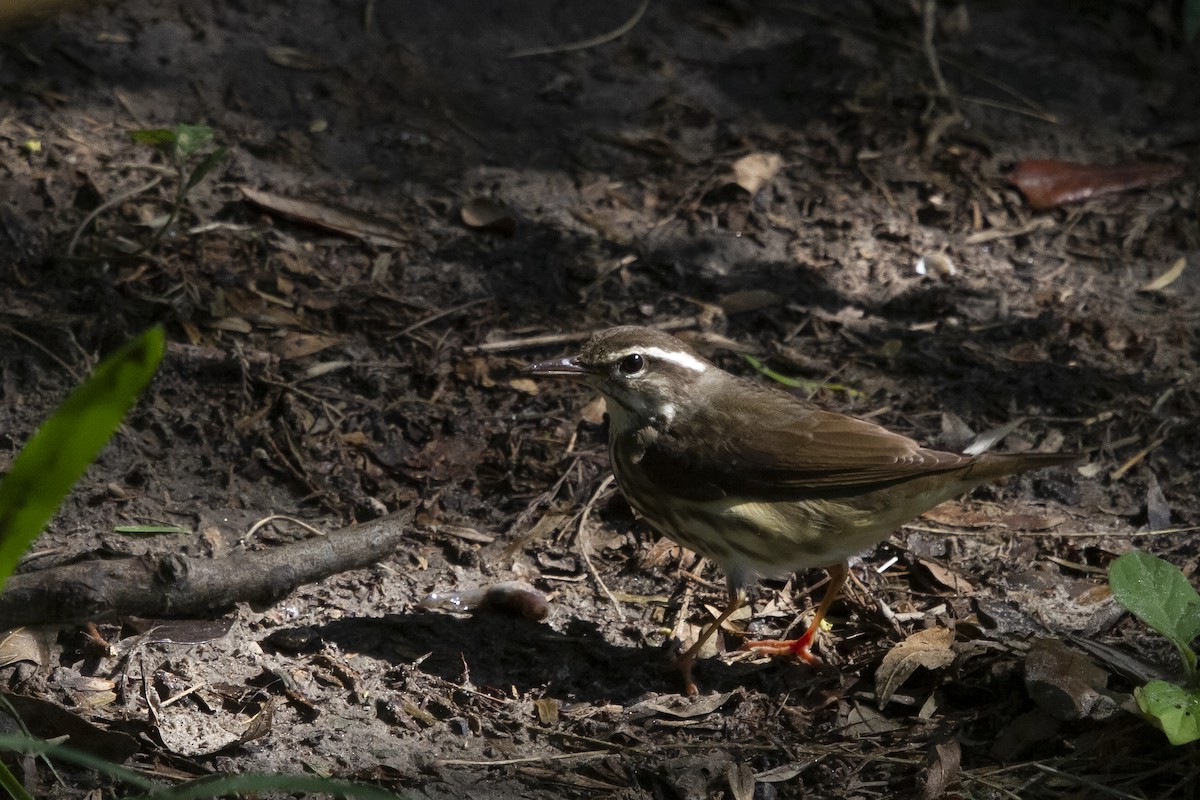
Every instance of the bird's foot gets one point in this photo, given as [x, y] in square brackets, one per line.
[800, 648]
[683, 664]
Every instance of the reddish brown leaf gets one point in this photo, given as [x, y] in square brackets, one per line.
[1048, 183]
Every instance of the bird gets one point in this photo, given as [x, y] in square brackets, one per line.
[760, 481]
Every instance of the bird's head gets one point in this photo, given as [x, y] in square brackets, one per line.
[646, 375]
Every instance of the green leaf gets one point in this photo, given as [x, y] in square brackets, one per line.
[12, 785]
[1158, 594]
[155, 137]
[206, 787]
[191, 139]
[1172, 709]
[56, 456]
[206, 166]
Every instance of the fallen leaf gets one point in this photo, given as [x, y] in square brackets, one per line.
[928, 648]
[367, 227]
[756, 170]
[232, 324]
[46, 720]
[486, 214]
[947, 578]
[1065, 683]
[941, 769]
[355, 439]
[181, 631]
[525, 385]
[683, 707]
[299, 345]
[261, 723]
[1048, 183]
[953, 515]
[741, 781]
[863, 721]
[1167, 278]
[547, 710]
[20, 644]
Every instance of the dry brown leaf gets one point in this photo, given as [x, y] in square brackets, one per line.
[928, 648]
[547, 710]
[960, 516]
[947, 578]
[1167, 278]
[684, 707]
[864, 721]
[476, 370]
[1065, 683]
[232, 324]
[941, 769]
[20, 644]
[89, 683]
[1032, 521]
[756, 170]
[741, 781]
[367, 227]
[299, 345]
[525, 385]
[486, 214]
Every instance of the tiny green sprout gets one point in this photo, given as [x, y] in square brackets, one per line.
[181, 145]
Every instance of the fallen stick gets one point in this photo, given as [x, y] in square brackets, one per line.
[176, 585]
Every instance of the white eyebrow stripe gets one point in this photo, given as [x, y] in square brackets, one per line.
[685, 360]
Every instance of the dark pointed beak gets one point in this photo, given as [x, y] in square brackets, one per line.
[569, 368]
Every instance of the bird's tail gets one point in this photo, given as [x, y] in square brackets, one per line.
[990, 466]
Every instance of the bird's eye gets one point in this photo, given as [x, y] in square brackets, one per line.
[632, 364]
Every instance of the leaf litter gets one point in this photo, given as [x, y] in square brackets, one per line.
[617, 170]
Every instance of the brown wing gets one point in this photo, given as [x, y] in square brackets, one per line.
[775, 446]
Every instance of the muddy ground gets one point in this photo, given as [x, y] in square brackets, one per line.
[334, 375]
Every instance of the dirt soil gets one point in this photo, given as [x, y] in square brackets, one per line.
[336, 362]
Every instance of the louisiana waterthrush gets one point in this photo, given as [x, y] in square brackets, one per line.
[758, 480]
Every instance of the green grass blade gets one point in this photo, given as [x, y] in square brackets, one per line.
[38, 747]
[57, 455]
[11, 785]
[211, 786]
[812, 387]
[253, 784]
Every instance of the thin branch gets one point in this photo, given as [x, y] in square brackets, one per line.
[585, 545]
[587, 44]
